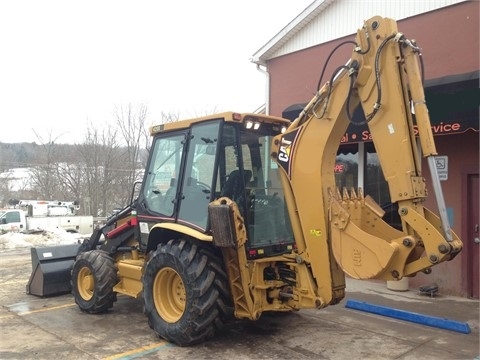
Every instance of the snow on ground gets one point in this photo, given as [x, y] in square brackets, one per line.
[49, 237]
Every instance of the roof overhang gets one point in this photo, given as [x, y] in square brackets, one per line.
[283, 36]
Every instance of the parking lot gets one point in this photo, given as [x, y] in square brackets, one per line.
[47, 328]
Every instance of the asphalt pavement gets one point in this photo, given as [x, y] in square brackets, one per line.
[45, 328]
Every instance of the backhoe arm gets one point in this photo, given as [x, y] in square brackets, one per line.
[345, 228]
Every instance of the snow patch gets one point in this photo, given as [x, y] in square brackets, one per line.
[48, 237]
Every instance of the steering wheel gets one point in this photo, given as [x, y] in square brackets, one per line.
[205, 188]
[153, 193]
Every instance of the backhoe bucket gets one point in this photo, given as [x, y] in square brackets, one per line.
[51, 268]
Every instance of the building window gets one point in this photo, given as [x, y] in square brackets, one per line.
[346, 167]
[358, 166]
[375, 184]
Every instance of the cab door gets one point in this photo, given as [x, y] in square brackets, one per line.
[199, 174]
[12, 220]
[162, 180]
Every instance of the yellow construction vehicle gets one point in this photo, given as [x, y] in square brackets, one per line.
[239, 214]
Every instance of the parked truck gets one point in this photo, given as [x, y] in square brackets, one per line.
[31, 216]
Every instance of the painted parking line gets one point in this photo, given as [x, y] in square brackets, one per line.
[8, 316]
[12, 282]
[139, 352]
[20, 308]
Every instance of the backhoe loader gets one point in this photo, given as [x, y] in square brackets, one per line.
[239, 214]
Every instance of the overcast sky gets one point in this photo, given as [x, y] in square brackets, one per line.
[65, 64]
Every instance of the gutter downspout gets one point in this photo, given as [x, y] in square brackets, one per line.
[263, 70]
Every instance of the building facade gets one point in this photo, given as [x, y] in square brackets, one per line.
[448, 33]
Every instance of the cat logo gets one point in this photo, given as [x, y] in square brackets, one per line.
[285, 150]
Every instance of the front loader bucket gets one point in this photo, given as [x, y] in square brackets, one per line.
[51, 268]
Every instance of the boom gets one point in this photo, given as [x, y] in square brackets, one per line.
[383, 77]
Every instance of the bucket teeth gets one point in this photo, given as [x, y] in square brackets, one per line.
[346, 195]
[335, 194]
[353, 194]
[360, 194]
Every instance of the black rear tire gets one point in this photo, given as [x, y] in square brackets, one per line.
[185, 292]
[93, 277]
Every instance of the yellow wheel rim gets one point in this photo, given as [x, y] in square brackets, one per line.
[85, 283]
[169, 295]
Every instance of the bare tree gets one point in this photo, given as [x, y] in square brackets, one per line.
[99, 172]
[70, 179]
[6, 176]
[101, 164]
[131, 122]
[169, 117]
[44, 174]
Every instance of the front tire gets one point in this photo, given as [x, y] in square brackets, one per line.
[184, 293]
[93, 277]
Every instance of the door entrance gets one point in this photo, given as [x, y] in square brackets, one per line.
[472, 242]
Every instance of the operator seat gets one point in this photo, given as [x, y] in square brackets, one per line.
[234, 188]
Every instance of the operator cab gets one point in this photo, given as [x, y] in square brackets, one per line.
[190, 167]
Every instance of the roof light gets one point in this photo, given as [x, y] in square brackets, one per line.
[250, 124]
